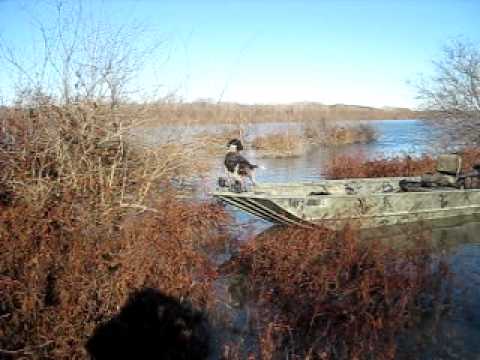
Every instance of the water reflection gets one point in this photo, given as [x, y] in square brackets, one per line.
[452, 330]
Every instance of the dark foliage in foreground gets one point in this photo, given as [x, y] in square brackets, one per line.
[152, 325]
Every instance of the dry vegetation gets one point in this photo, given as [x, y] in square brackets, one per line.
[359, 167]
[86, 217]
[341, 135]
[323, 295]
[337, 134]
[279, 145]
[87, 213]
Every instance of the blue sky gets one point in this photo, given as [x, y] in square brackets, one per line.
[277, 51]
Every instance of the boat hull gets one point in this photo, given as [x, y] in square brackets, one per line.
[361, 202]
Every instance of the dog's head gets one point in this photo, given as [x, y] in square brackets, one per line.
[235, 143]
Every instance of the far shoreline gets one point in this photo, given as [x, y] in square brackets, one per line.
[233, 113]
[153, 114]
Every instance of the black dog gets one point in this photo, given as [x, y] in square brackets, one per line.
[152, 325]
[236, 166]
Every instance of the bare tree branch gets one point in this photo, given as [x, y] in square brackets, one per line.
[452, 92]
[84, 56]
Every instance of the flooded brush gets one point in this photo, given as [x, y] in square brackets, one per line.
[280, 145]
[326, 295]
[359, 166]
[337, 134]
[341, 167]
[89, 149]
[342, 135]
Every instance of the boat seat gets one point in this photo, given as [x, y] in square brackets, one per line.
[446, 176]
[447, 172]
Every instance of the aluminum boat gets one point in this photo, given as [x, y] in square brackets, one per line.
[367, 202]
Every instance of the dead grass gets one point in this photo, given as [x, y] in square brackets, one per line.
[282, 145]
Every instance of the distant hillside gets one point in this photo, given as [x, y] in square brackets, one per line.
[203, 112]
[208, 112]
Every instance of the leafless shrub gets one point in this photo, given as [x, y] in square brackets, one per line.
[325, 295]
[88, 148]
[452, 93]
[82, 57]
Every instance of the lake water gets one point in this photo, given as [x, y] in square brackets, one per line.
[395, 137]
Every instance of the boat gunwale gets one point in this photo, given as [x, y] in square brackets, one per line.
[322, 181]
[249, 194]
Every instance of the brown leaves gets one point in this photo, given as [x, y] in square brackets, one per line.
[341, 297]
[358, 166]
[64, 268]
